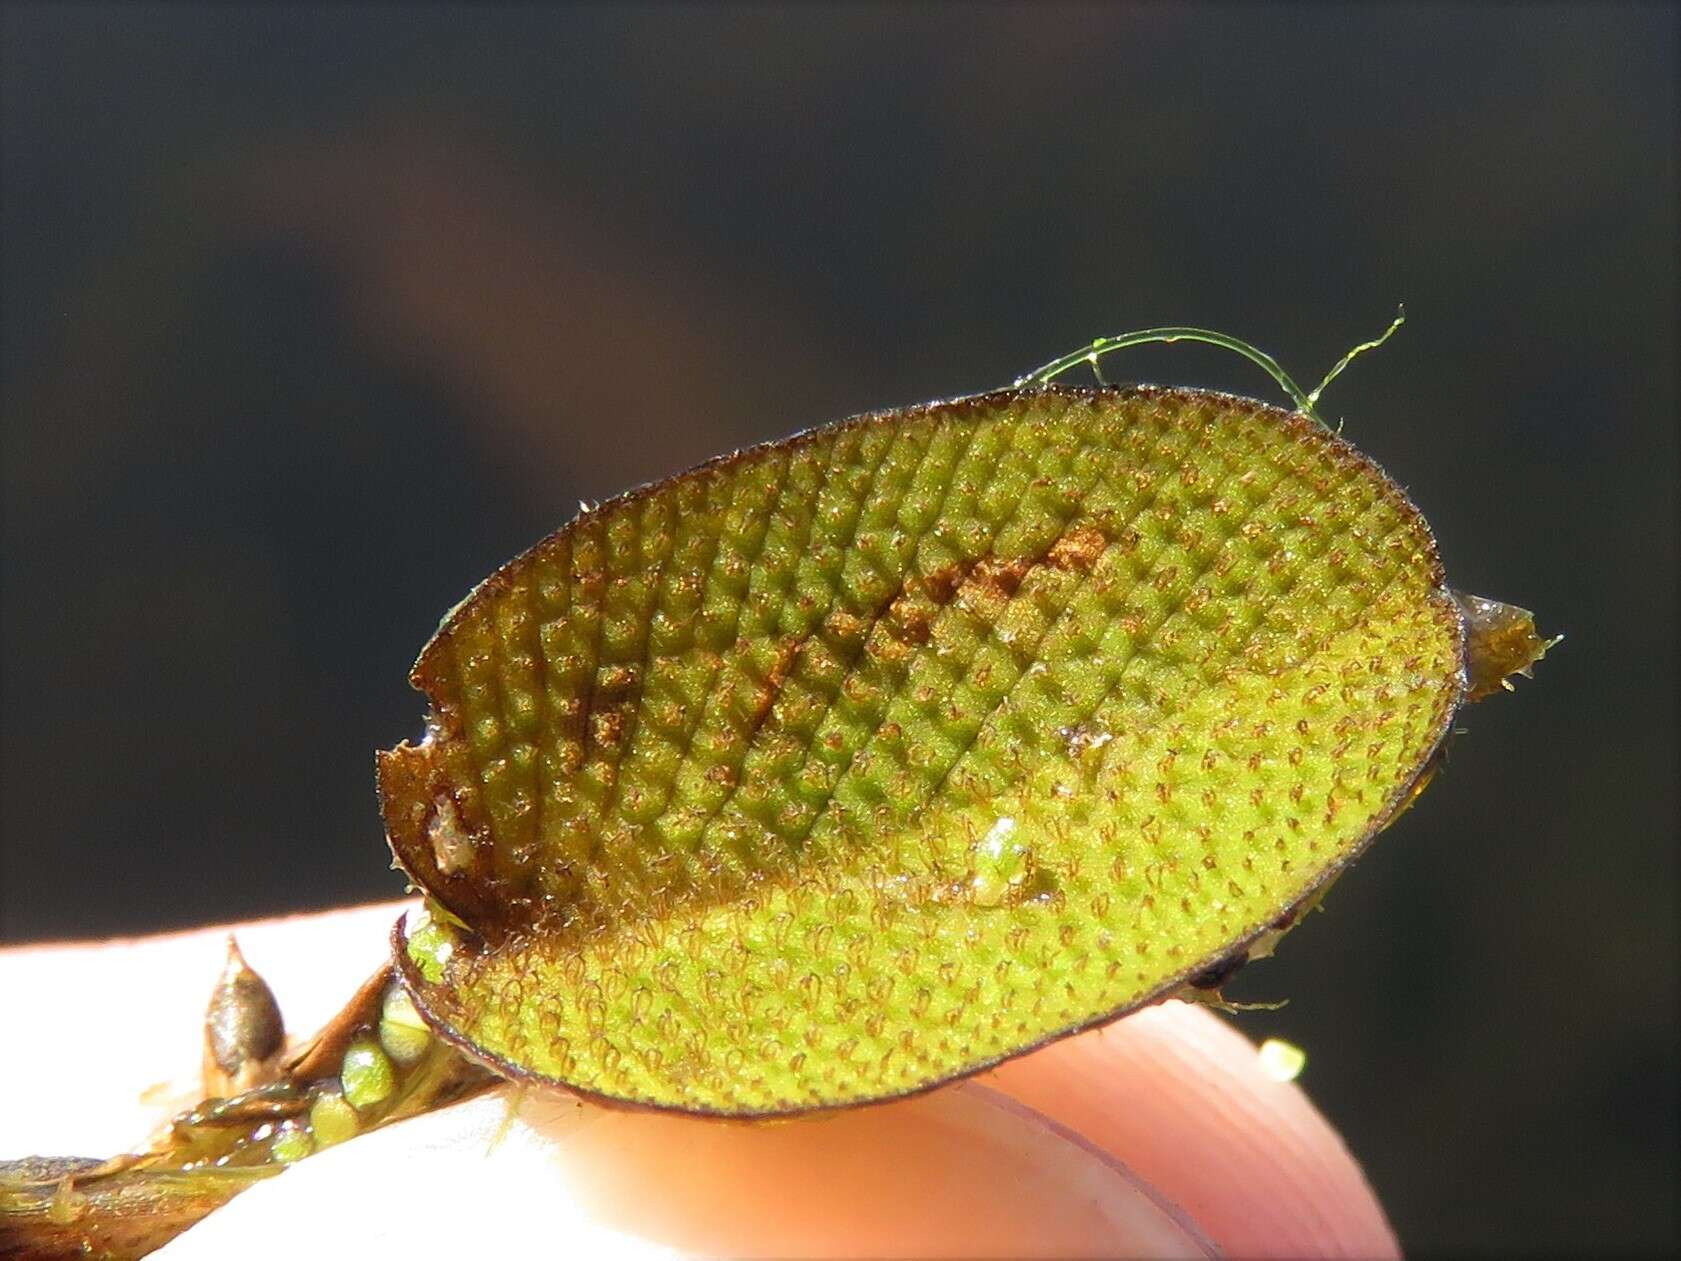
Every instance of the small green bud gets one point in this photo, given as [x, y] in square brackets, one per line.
[291, 1143]
[402, 1032]
[367, 1075]
[430, 944]
[332, 1120]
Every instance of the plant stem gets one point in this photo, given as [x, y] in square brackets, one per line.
[368, 1067]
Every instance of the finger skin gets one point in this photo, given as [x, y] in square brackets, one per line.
[948, 1174]
[1156, 1136]
[1180, 1095]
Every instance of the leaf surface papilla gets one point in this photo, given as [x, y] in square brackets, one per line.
[852, 763]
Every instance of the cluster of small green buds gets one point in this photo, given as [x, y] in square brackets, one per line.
[369, 1080]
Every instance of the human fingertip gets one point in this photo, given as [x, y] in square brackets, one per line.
[1193, 1107]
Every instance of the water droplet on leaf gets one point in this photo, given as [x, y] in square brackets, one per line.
[1002, 864]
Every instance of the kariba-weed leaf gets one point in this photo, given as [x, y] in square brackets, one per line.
[855, 762]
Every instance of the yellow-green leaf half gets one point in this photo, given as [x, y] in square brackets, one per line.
[853, 763]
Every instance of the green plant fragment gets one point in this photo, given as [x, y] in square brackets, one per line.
[849, 764]
[367, 1076]
[402, 1032]
[332, 1119]
[291, 1143]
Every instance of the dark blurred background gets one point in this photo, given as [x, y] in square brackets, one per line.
[314, 316]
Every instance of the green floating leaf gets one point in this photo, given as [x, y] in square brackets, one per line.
[849, 764]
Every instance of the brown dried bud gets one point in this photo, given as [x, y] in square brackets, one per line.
[243, 1030]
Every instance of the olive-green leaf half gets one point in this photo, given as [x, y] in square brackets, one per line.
[852, 763]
